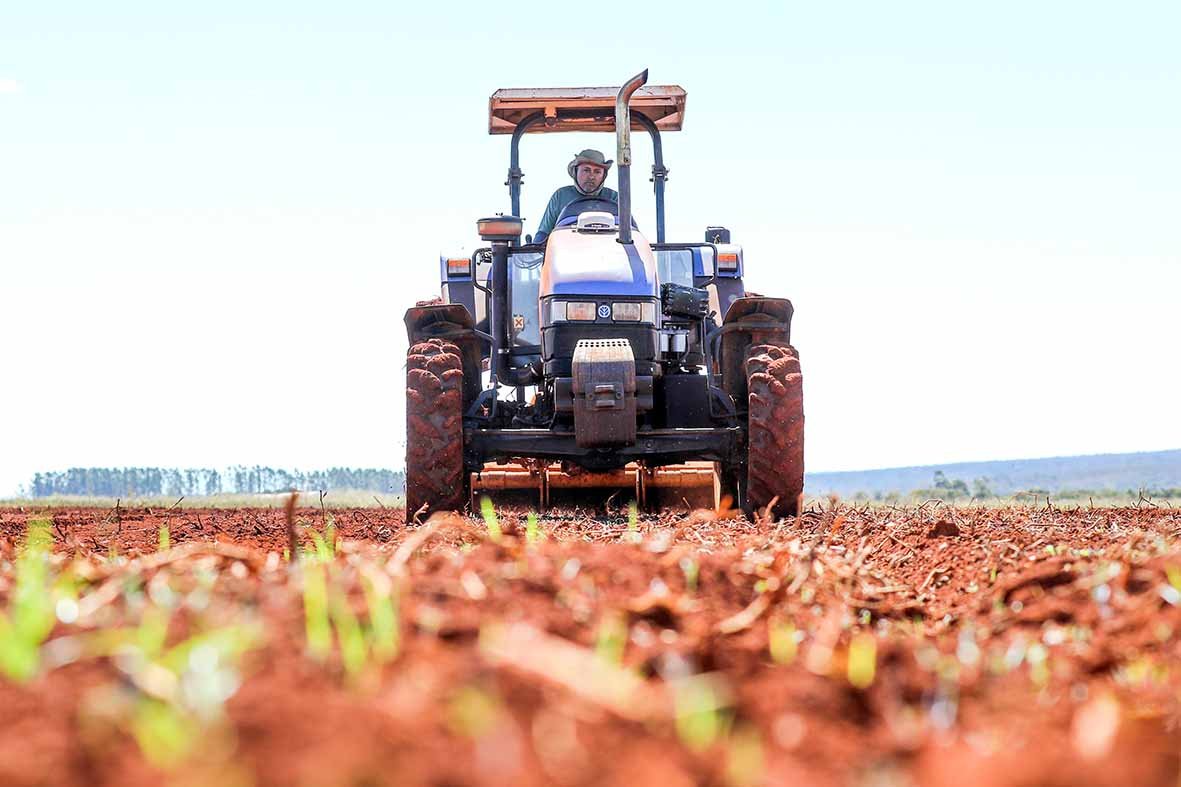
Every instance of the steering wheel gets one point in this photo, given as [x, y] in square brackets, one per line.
[584, 204]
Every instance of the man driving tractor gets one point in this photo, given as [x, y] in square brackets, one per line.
[588, 170]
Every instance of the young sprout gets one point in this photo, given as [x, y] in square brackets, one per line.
[698, 713]
[862, 665]
[354, 651]
[531, 534]
[472, 712]
[783, 642]
[330, 535]
[165, 540]
[611, 639]
[315, 606]
[633, 517]
[745, 762]
[382, 601]
[690, 569]
[323, 552]
[164, 734]
[1038, 658]
[30, 614]
[490, 521]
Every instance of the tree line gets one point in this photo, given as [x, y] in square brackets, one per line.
[239, 479]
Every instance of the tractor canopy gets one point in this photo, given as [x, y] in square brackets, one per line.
[559, 109]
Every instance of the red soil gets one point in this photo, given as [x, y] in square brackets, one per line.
[1008, 647]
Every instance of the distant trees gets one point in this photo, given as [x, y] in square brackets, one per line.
[944, 488]
[240, 479]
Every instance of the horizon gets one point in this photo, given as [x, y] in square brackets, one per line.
[937, 465]
[209, 256]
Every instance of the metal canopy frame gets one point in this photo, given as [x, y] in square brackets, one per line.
[519, 112]
[662, 104]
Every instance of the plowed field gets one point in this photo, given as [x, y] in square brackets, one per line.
[875, 646]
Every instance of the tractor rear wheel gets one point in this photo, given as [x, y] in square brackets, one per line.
[435, 476]
[775, 435]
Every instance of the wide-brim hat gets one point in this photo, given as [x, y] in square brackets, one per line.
[589, 156]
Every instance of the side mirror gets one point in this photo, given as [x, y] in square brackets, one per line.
[717, 235]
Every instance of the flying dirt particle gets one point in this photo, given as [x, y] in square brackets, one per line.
[1095, 726]
[789, 730]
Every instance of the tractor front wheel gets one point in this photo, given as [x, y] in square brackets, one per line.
[435, 477]
[775, 435]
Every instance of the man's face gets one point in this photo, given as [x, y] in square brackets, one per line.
[590, 176]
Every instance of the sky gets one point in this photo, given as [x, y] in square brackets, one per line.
[212, 218]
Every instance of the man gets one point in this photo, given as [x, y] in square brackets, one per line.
[588, 170]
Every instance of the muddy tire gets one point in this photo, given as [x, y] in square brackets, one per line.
[435, 475]
[775, 450]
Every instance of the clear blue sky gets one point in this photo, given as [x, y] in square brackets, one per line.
[212, 219]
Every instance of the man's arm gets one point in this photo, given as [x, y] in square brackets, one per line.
[552, 209]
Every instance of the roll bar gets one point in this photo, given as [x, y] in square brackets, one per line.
[659, 172]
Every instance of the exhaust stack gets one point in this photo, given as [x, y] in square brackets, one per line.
[623, 152]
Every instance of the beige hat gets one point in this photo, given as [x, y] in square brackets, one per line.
[589, 156]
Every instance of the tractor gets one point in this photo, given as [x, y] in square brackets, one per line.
[599, 358]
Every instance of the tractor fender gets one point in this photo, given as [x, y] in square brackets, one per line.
[749, 321]
[453, 322]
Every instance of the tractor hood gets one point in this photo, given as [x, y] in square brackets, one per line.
[596, 263]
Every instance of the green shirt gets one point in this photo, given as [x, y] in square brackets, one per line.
[563, 197]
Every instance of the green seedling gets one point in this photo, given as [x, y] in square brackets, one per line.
[699, 718]
[862, 664]
[30, 614]
[165, 539]
[172, 696]
[182, 689]
[611, 639]
[164, 734]
[633, 517]
[488, 512]
[783, 642]
[745, 762]
[691, 571]
[1039, 668]
[531, 533]
[354, 650]
[384, 626]
[315, 607]
[323, 552]
[330, 534]
[472, 712]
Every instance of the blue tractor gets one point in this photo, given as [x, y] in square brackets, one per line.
[599, 358]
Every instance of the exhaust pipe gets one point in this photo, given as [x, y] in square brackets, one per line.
[623, 152]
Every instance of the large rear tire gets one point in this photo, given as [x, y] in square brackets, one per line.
[775, 436]
[435, 476]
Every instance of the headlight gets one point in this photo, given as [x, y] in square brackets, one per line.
[626, 311]
[575, 310]
[634, 312]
